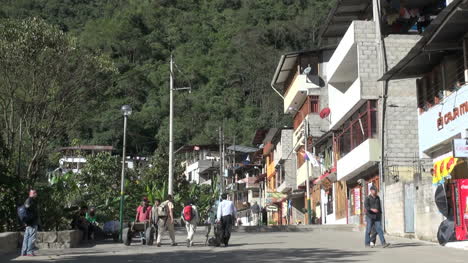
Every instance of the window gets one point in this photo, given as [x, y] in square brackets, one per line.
[311, 105]
[314, 104]
[361, 126]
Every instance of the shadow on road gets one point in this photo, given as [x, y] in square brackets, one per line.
[224, 255]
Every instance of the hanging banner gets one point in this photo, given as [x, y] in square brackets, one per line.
[357, 201]
[442, 170]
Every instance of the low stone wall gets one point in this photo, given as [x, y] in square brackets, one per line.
[11, 241]
[8, 242]
[59, 239]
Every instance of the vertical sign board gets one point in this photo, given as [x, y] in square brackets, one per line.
[460, 148]
[357, 201]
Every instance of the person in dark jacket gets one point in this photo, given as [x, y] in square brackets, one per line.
[31, 224]
[374, 217]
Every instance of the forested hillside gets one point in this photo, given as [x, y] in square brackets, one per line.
[226, 50]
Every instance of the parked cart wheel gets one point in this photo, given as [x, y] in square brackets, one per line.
[149, 235]
[127, 236]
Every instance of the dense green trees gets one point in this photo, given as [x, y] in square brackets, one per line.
[66, 72]
[225, 49]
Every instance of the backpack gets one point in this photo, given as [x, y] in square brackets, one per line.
[189, 213]
[162, 209]
[24, 214]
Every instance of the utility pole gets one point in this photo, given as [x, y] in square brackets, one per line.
[171, 119]
[220, 176]
[306, 136]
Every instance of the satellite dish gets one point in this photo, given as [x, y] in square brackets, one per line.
[325, 113]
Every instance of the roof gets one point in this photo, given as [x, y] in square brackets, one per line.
[341, 15]
[440, 37]
[88, 147]
[191, 148]
[269, 136]
[288, 62]
[242, 149]
[259, 136]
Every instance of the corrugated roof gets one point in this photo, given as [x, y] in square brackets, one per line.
[243, 149]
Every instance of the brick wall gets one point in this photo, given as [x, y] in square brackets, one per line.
[401, 140]
[367, 58]
[288, 155]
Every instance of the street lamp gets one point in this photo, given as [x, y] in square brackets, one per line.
[126, 111]
[306, 135]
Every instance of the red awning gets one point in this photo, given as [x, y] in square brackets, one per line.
[261, 178]
[325, 175]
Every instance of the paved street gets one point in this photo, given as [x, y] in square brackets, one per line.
[329, 246]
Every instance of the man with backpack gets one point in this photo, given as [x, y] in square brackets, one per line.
[28, 214]
[190, 218]
[166, 220]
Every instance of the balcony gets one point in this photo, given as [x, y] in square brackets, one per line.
[301, 86]
[440, 124]
[359, 159]
[314, 172]
[352, 71]
[343, 103]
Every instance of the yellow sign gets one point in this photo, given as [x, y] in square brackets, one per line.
[443, 169]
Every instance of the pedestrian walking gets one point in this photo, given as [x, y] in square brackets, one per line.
[190, 218]
[29, 215]
[226, 216]
[143, 215]
[255, 211]
[166, 220]
[373, 208]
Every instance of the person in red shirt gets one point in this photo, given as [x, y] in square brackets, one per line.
[143, 215]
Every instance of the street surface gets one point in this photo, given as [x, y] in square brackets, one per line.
[319, 246]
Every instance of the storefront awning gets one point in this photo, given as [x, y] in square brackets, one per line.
[261, 178]
[275, 197]
[329, 174]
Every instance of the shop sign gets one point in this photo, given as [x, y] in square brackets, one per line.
[456, 112]
[443, 121]
[272, 208]
[460, 148]
[442, 170]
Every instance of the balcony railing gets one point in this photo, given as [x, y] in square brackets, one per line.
[441, 82]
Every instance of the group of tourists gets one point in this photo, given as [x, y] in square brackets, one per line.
[161, 216]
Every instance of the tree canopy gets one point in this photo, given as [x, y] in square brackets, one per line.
[226, 50]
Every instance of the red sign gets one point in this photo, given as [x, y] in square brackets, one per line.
[461, 227]
[451, 115]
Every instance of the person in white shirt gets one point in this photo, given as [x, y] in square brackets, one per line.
[190, 218]
[226, 216]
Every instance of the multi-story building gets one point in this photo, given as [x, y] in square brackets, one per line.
[277, 180]
[201, 162]
[300, 79]
[374, 123]
[74, 158]
[439, 61]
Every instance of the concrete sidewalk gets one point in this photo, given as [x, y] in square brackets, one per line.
[271, 247]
